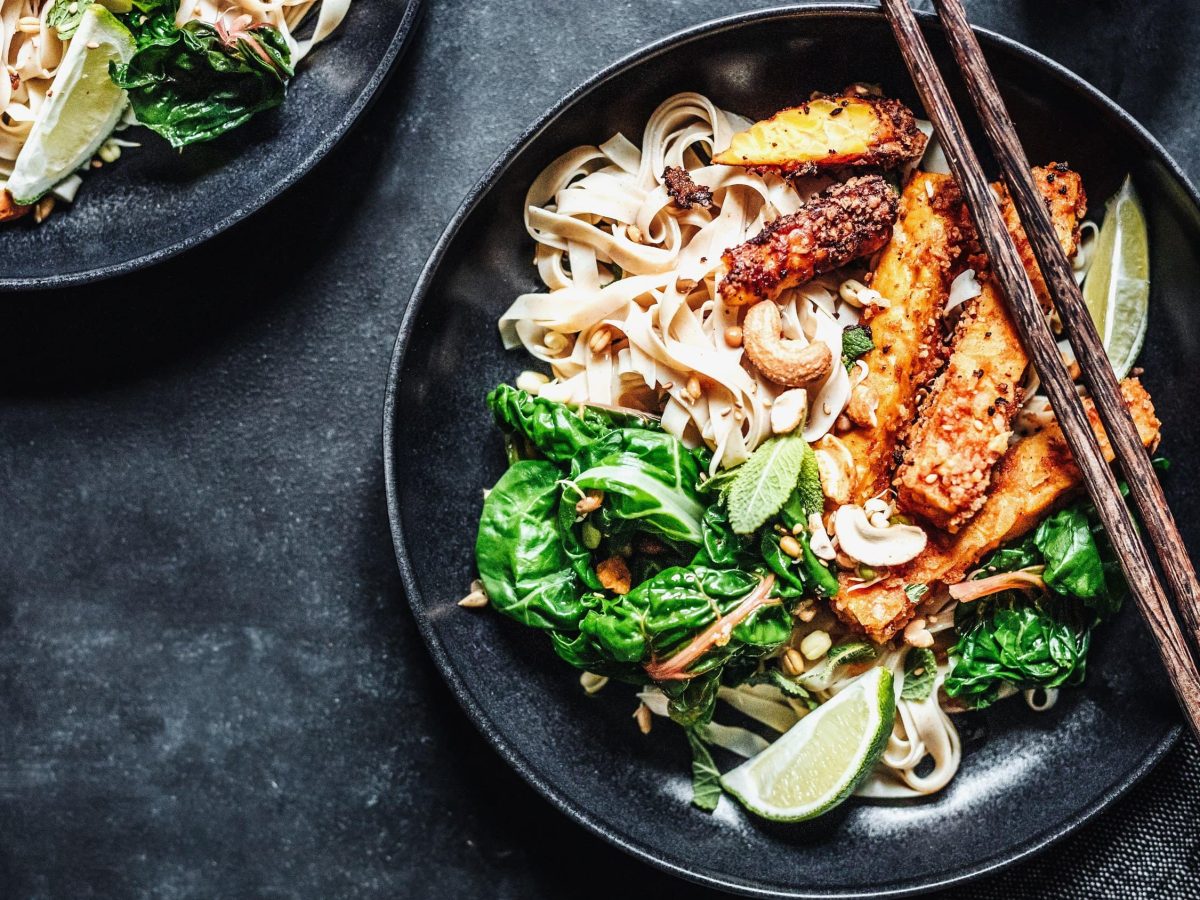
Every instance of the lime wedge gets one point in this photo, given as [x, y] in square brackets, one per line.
[821, 759]
[82, 111]
[1117, 287]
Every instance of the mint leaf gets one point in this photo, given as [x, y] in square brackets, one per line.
[65, 16]
[920, 671]
[856, 340]
[915, 592]
[844, 654]
[789, 688]
[706, 779]
[764, 482]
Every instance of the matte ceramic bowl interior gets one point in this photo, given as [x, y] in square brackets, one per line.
[1026, 778]
[155, 202]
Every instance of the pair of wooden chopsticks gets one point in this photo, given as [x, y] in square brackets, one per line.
[1039, 341]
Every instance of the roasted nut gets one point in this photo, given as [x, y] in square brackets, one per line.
[792, 662]
[614, 575]
[779, 359]
[531, 382]
[600, 339]
[917, 635]
[733, 336]
[815, 645]
[644, 719]
[789, 411]
[590, 503]
[862, 406]
[790, 546]
[835, 465]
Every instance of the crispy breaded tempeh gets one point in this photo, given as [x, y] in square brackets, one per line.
[965, 424]
[913, 276]
[1036, 475]
[10, 210]
[829, 132]
[842, 223]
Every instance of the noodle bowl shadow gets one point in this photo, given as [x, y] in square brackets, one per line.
[1022, 784]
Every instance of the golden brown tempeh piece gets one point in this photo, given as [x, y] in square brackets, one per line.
[10, 210]
[913, 276]
[965, 424]
[1034, 478]
[829, 132]
[842, 223]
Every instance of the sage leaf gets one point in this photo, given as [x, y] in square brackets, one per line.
[764, 482]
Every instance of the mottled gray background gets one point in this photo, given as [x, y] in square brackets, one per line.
[210, 685]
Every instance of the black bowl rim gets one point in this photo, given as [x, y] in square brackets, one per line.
[476, 711]
[379, 77]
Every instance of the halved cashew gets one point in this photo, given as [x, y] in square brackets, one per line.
[782, 360]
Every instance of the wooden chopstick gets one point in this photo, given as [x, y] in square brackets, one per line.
[1039, 342]
[1144, 487]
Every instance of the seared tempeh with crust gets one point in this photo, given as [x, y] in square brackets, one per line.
[839, 225]
[1036, 475]
[829, 132]
[913, 276]
[965, 424]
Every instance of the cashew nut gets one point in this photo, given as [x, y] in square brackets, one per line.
[789, 410]
[835, 466]
[782, 360]
[862, 406]
[874, 546]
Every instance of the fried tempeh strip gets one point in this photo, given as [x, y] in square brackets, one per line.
[842, 223]
[965, 424]
[1034, 478]
[829, 132]
[10, 210]
[913, 276]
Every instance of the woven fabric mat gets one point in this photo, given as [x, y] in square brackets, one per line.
[1146, 846]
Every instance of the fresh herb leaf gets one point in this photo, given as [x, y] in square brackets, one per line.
[787, 686]
[764, 482]
[807, 498]
[848, 654]
[65, 16]
[706, 778]
[856, 341]
[915, 592]
[920, 673]
[197, 82]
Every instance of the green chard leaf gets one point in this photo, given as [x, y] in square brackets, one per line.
[525, 570]
[648, 478]
[920, 673]
[1012, 639]
[197, 82]
[856, 341]
[554, 429]
[706, 778]
[1073, 564]
[765, 481]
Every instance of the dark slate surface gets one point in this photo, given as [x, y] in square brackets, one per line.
[209, 682]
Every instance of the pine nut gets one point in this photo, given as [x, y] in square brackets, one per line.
[600, 339]
[733, 336]
[815, 645]
[644, 720]
[531, 382]
[477, 598]
[807, 614]
[793, 663]
[634, 234]
[591, 682]
[693, 387]
[790, 546]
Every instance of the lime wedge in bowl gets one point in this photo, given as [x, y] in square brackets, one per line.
[83, 107]
[1117, 287]
[822, 758]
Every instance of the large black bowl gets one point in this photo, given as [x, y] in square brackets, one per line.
[1026, 779]
[156, 202]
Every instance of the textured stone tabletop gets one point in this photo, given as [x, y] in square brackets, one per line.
[210, 685]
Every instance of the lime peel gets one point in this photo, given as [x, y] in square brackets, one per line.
[82, 108]
[1117, 287]
[821, 760]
